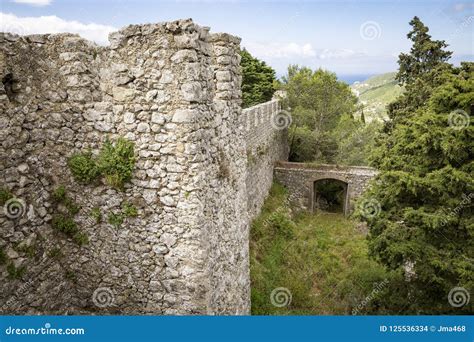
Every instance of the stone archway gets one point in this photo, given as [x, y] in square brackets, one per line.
[299, 179]
[321, 187]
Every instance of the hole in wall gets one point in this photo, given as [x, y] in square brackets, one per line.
[330, 195]
[8, 84]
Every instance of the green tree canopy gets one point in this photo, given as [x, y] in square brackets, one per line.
[257, 80]
[319, 97]
[322, 108]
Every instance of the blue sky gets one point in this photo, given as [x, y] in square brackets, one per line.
[350, 38]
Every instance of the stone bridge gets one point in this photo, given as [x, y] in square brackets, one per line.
[301, 179]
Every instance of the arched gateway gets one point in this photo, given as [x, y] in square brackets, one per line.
[311, 185]
[330, 194]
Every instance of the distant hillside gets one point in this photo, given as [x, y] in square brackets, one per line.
[375, 93]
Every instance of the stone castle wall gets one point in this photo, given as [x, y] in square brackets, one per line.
[174, 90]
[267, 142]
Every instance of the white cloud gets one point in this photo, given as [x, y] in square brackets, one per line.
[299, 51]
[53, 24]
[38, 3]
[337, 53]
[276, 50]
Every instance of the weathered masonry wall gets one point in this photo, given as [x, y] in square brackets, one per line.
[267, 142]
[174, 90]
[299, 179]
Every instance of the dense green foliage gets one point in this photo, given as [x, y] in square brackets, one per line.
[317, 98]
[425, 186]
[355, 140]
[115, 162]
[321, 259]
[257, 80]
[324, 128]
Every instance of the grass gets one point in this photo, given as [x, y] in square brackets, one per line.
[321, 259]
[55, 253]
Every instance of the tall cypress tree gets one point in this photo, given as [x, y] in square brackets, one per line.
[424, 56]
[424, 230]
[419, 71]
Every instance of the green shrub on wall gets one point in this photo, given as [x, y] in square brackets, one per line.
[5, 195]
[64, 221]
[3, 257]
[127, 210]
[15, 272]
[83, 167]
[115, 163]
